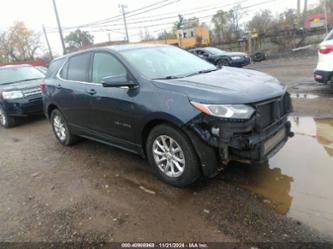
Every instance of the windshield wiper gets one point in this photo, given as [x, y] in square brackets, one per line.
[202, 72]
[171, 77]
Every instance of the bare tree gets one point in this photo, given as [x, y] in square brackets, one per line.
[19, 43]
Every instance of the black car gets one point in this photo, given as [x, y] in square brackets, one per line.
[222, 58]
[20, 95]
[163, 103]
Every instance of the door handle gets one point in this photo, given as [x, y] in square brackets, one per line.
[92, 91]
[58, 86]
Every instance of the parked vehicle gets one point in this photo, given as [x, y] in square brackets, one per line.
[42, 69]
[222, 58]
[165, 104]
[20, 95]
[324, 71]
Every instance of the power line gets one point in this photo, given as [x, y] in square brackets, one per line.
[119, 17]
[171, 17]
[169, 23]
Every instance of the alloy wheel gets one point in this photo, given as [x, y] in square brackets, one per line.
[59, 128]
[3, 119]
[168, 156]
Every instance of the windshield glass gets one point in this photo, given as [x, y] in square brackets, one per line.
[329, 36]
[214, 50]
[163, 62]
[15, 74]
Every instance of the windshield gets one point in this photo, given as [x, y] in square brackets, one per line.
[329, 36]
[215, 51]
[165, 62]
[16, 74]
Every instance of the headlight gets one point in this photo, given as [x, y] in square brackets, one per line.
[12, 95]
[226, 111]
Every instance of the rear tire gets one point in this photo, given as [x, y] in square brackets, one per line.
[61, 129]
[5, 120]
[172, 156]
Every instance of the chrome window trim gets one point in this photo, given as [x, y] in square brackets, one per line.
[75, 81]
[84, 82]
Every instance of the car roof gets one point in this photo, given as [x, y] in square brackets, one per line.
[15, 66]
[116, 48]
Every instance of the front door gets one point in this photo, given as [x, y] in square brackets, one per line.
[113, 109]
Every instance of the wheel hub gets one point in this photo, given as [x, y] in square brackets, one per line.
[169, 156]
[2, 117]
[59, 128]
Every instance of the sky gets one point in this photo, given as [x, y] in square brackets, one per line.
[36, 13]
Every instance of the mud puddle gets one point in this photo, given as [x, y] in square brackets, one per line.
[298, 181]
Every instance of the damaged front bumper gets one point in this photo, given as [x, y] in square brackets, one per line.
[242, 140]
[257, 139]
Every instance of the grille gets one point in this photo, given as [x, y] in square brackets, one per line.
[271, 111]
[32, 91]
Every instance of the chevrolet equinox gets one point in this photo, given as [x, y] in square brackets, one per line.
[183, 114]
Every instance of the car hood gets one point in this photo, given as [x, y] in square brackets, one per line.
[21, 85]
[226, 86]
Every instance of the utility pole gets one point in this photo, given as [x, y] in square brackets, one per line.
[326, 20]
[59, 27]
[298, 12]
[47, 42]
[305, 13]
[122, 9]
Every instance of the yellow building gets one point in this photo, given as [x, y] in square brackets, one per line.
[186, 38]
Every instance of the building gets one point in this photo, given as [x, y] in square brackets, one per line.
[187, 38]
[317, 20]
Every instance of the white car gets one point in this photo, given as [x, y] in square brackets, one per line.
[324, 70]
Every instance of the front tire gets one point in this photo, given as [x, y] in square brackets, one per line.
[172, 156]
[5, 120]
[61, 130]
[222, 62]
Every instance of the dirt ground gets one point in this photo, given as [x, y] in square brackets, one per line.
[92, 192]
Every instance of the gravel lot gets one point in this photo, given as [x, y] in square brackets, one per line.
[92, 192]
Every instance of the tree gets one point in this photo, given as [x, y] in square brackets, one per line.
[18, 43]
[285, 30]
[191, 23]
[219, 21]
[179, 24]
[79, 39]
[262, 22]
[227, 24]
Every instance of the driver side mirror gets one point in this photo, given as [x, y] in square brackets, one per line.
[121, 80]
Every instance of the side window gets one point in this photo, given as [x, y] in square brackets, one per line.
[78, 67]
[105, 65]
[64, 71]
[54, 67]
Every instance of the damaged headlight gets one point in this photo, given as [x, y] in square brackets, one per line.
[12, 95]
[226, 111]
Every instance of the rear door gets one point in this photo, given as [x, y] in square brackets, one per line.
[74, 96]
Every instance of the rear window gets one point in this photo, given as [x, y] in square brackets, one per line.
[17, 74]
[78, 67]
[329, 36]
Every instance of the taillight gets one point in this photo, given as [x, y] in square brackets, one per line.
[42, 87]
[326, 49]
